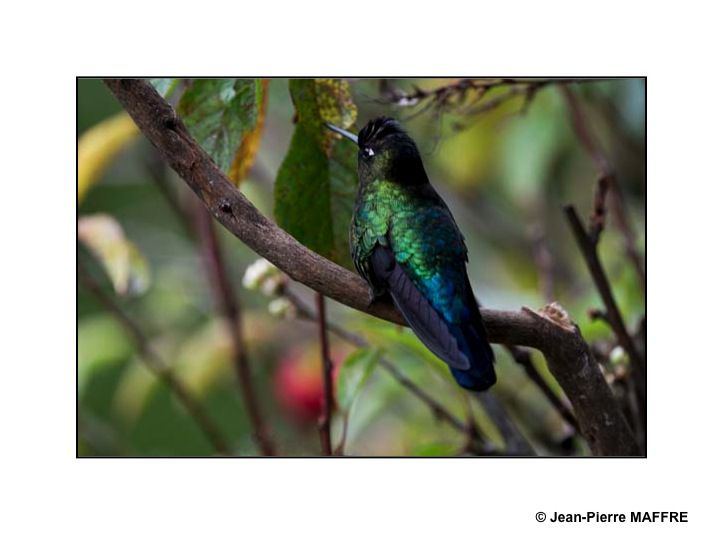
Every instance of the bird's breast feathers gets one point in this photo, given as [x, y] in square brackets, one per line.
[424, 240]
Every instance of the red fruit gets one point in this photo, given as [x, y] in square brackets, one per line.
[298, 382]
[299, 386]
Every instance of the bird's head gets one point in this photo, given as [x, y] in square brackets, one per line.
[386, 152]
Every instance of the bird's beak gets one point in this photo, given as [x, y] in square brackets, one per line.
[342, 132]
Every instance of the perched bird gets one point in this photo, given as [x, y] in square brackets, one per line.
[405, 243]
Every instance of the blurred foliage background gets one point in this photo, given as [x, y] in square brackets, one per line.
[505, 173]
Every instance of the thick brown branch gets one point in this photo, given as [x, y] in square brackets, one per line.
[612, 313]
[227, 303]
[599, 417]
[157, 366]
[608, 186]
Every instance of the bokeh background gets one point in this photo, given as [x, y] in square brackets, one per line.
[506, 174]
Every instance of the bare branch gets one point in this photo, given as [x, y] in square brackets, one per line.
[516, 443]
[226, 300]
[157, 366]
[201, 230]
[157, 170]
[468, 97]
[522, 357]
[612, 313]
[477, 446]
[568, 356]
[607, 184]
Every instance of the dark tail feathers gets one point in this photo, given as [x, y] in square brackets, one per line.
[474, 344]
[463, 347]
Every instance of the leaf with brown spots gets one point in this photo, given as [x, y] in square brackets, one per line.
[316, 183]
[226, 117]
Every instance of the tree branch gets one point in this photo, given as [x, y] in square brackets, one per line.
[612, 313]
[522, 357]
[515, 442]
[157, 366]
[569, 359]
[201, 229]
[607, 184]
[325, 422]
[458, 91]
[477, 444]
[227, 304]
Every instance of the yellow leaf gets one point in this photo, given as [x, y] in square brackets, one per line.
[123, 262]
[335, 103]
[99, 145]
[251, 142]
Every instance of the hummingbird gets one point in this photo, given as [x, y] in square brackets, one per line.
[405, 243]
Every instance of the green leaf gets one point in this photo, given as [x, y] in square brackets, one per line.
[221, 113]
[316, 184]
[165, 87]
[353, 374]
[127, 268]
[102, 342]
[404, 340]
[434, 449]
[538, 137]
[245, 155]
[203, 359]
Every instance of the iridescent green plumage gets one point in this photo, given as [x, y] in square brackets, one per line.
[423, 237]
[405, 242]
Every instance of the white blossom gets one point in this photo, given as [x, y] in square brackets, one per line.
[282, 308]
[258, 273]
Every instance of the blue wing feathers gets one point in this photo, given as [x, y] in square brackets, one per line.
[452, 330]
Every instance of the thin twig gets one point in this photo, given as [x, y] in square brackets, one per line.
[599, 417]
[228, 305]
[515, 442]
[544, 262]
[436, 408]
[458, 91]
[157, 366]
[597, 219]
[522, 357]
[612, 312]
[325, 422]
[607, 184]
[202, 231]
[157, 170]
[467, 97]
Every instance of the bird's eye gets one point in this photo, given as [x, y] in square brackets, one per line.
[368, 152]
